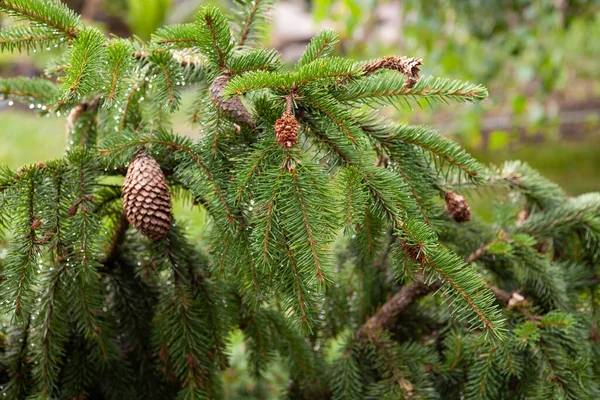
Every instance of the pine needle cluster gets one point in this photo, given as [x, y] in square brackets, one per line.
[327, 244]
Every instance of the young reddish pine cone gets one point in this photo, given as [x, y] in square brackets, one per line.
[286, 130]
[146, 197]
[457, 207]
[233, 107]
[406, 65]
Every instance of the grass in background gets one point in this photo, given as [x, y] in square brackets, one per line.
[26, 138]
[573, 165]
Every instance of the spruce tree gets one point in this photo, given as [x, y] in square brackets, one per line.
[336, 240]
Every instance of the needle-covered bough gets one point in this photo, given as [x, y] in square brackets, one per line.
[327, 242]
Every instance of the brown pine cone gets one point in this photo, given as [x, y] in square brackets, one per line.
[232, 108]
[146, 197]
[407, 65]
[286, 130]
[457, 207]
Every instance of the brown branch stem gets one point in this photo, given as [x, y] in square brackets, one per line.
[388, 313]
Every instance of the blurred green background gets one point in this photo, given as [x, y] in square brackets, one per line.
[539, 59]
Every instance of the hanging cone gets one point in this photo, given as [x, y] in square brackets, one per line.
[286, 130]
[231, 108]
[457, 207]
[146, 197]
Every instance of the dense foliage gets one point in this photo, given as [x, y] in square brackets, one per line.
[331, 251]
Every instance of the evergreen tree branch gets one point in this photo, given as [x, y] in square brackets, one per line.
[27, 38]
[87, 56]
[198, 161]
[487, 375]
[51, 334]
[292, 345]
[322, 102]
[27, 90]
[391, 88]
[302, 303]
[82, 124]
[329, 69]
[167, 84]
[253, 60]
[319, 46]
[333, 69]
[214, 35]
[23, 255]
[258, 338]
[574, 212]
[184, 339]
[15, 359]
[257, 80]
[257, 294]
[468, 293]
[130, 103]
[323, 131]
[307, 226]
[119, 63]
[52, 14]
[346, 379]
[464, 285]
[178, 36]
[425, 138]
[253, 14]
[187, 351]
[81, 234]
[388, 354]
[267, 217]
[539, 191]
[248, 172]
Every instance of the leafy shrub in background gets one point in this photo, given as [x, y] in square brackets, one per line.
[534, 55]
[328, 245]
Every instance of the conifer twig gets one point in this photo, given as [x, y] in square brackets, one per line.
[246, 28]
[51, 14]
